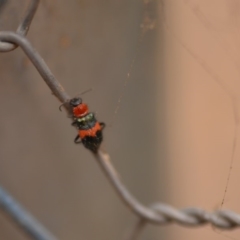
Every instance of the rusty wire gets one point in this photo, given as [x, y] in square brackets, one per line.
[159, 213]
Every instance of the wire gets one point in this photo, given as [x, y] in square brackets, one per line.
[22, 218]
[23, 26]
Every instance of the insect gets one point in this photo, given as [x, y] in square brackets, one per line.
[89, 129]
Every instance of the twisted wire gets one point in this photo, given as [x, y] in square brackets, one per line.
[162, 214]
[193, 216]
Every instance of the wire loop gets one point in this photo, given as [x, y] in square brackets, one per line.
[22, 28]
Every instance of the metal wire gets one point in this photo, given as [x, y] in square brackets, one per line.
[192, 216]
[22, 28]
[137, 229]
[38, 62]
[22, 218]
[163, 214]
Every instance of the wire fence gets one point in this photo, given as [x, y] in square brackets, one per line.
[158, 213]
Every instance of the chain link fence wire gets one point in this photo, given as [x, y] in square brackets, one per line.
[159, 213]
[23, 26]
[22, 218]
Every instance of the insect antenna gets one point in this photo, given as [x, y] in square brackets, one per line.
[86, 91]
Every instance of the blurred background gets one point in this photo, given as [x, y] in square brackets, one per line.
[174, 138]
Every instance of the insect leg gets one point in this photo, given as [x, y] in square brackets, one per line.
[76, 140]
[74, 123]
[103, 125]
